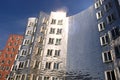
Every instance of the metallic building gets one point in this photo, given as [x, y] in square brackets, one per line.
[7, 55]
[84, 46]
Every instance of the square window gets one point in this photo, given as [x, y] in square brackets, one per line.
[51, 41]
[60, 22]
[52, 30]
[58, 41]
[53, 21]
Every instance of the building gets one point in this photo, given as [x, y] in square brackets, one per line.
[84, 46]
[7, 55]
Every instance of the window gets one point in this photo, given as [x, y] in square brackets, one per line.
[21, 65]
[97, 4]
[39, 78]
[0, 75]
[110, 18]
[101, 26]
[46, 78]
[55, 78]
[27, 63]
[28, 32]
[36, 64]
[115, 32]
[52, 30]
[48, 65]
[9, 61]
[23, 77]
[26, 42]
[56, 65]
[104, 39]
[6, 55]
[107, 6]
[110, 75]
[60, 22]
[23, 52]
[59, 31]
[51, 41]
[45, 20]
[38, 51]
[107, 56]
[18, 77]
[30, 24]
[49, 52]
[57, 53]
[33, 77]
[117, 51]
[40, 40]
[99, 14]
[58, 42]
[42, 29]
[53, 21]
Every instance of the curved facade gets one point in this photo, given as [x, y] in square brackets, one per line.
[84, 60]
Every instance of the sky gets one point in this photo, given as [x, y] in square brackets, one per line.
[14, 13]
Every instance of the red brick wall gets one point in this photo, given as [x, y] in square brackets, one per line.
[8, 54]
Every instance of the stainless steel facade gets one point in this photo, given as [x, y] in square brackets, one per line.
[86, 46]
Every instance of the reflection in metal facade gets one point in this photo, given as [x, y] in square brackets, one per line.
[84, 46]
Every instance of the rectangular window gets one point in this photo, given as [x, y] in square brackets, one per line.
[39, 51]
[107, 6]
[101, 26]
[23, 77]
[58, 42]
[46, 78]
[60, 22]
[45, 20]
[104, 39]
[37, 63]
[28, 32]
[59, 31]
[110, 75]
[110, 18]
[55, 78]
[115, 33]
[48, 65]
[51, 41]
[99, 14]
[27, 63]
[53, 21]
[97, 4]
[49, 52]
[52, 30]
[21, 65]
[39, 78]
[42, 29]
[107, 56]
[56, 65]
[57, 53]
[26, 42]
[18, 77]
[117, 51]
[40, 39]
[23, 52]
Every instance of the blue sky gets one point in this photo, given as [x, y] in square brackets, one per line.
[14, 13]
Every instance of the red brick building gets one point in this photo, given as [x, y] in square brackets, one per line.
[7, 55]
